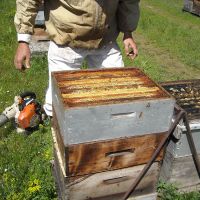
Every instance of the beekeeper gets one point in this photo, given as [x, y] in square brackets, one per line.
[79, 30]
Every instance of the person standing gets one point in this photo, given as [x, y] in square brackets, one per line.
[79, 30]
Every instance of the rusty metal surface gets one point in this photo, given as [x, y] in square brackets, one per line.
[187, 94]
[106, 86]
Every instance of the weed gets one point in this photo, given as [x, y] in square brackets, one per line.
[167, 191]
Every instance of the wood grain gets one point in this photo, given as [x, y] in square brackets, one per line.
[88, 158]
[114, 85]
[114, 154]
[105, 185]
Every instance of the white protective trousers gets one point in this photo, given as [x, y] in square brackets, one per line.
[65, 58]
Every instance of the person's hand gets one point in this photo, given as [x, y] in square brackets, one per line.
[22, 56]
[130, 46]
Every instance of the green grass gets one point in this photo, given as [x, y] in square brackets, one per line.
[170, 192]
[175, 37]
[25, 168]
[168, 42]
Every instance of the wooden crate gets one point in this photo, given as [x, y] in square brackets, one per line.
[106, 104]
[105, 185]
[87, 158]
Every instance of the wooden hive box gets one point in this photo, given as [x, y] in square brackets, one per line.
[113, 124]
[106, 155]
[105, 185]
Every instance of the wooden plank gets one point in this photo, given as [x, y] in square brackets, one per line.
[115, 154]
[108, 155]
[59, 142]
[181, 171]
[151, 196]
[184, 173]
[106, 185]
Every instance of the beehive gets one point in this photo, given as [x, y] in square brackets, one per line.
[107, 123]
[108, 119]
[96, 105]
[106, 155]
[178, 166]
[107, 185]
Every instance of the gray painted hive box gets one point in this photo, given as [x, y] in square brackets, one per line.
[181, 147]
[178, 166]
[94, 105]
[187, 95]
